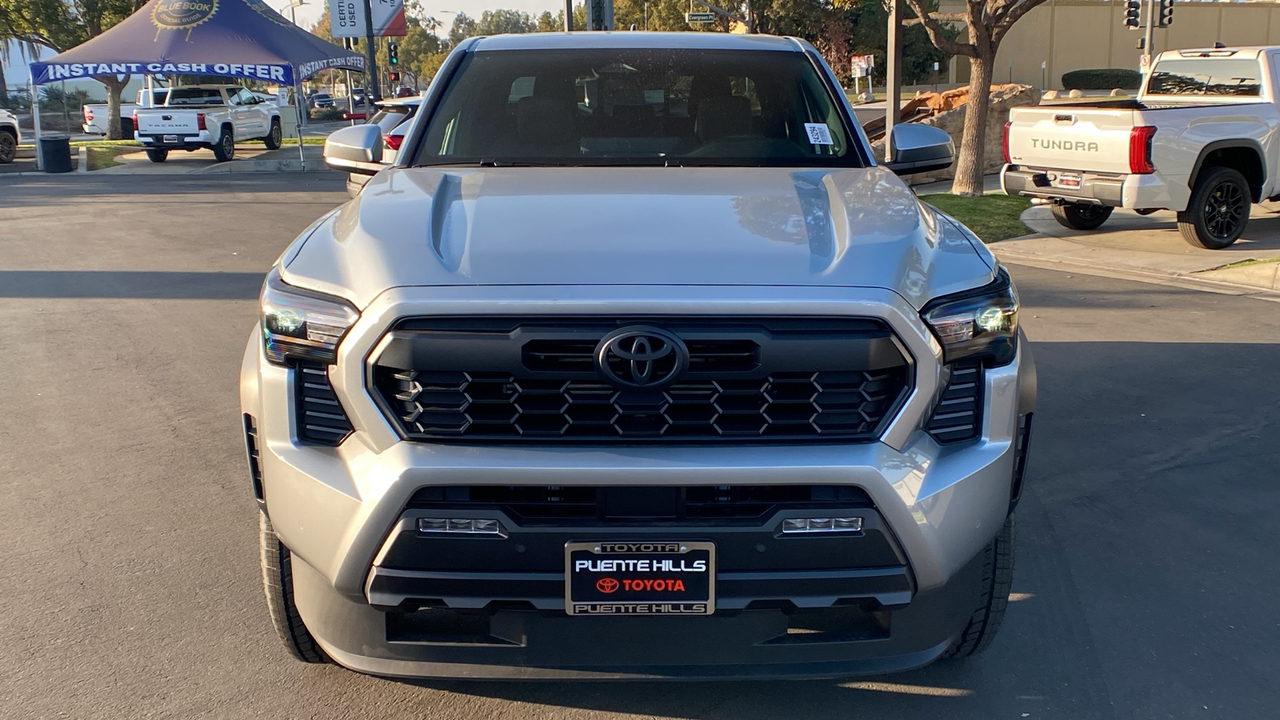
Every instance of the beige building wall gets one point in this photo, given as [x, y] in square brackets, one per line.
[1069, 35]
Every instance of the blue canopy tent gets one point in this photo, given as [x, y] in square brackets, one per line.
[232, 38]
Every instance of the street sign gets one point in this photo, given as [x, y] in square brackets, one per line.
[699, 17]
[861, 65]
[346, 18]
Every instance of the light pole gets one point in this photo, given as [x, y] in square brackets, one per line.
[293, 10]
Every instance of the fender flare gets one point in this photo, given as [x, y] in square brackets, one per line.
[1248, 144]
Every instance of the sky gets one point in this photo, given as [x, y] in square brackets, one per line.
[15, 71]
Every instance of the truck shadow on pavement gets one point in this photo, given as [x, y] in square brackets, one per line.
[132, 284]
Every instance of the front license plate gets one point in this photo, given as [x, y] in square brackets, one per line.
[640, 578]
[171, 138]
[1068, 180]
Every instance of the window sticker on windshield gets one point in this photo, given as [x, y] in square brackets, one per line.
[819, 133]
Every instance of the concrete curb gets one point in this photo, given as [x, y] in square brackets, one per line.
[1188, 281]
[1263, 275]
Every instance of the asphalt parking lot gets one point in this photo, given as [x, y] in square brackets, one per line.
[1145, 585]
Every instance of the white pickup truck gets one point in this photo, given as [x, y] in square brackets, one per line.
[1201, 139]
[9, 136]
[207, 116]
[95, 114]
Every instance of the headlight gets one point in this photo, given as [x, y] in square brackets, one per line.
[977, 323]
[299, 324]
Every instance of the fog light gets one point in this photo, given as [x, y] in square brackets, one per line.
[461, 526]
[796, 526]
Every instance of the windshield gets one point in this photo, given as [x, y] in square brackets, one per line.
[194, 96]
[1205, 76]
[637, 107]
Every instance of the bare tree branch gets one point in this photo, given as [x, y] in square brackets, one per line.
[937, 33]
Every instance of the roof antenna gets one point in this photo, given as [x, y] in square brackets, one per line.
[1218, 46]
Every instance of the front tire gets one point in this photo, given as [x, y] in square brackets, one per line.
[157, 156]
[277, 582]
[275, 138]
[997, 579]
[1218, 211]
[1081, 217]
[225, 149]
[8, 147]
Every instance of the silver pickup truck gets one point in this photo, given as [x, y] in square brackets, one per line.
[1201, 138]
[635, 364]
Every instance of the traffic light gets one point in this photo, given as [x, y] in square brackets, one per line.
[1166, 13]
[393, 53]
[1133, 14]
[395, 77]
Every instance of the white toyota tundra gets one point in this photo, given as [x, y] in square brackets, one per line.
[1200, 139]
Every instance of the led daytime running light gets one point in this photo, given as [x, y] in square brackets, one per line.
[302, 325]
[977, 323]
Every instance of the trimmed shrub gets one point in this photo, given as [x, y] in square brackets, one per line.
[328, 114]
[1102, 79]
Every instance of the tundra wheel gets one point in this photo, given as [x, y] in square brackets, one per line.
[225, 148]
[997, 578]
[1218, 211]
[8, 146]
[277, 581]
[275, 138]
[157, 155]
[1081, 217]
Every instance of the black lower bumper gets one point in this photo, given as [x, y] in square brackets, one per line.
[835, 641]
[1094, 189]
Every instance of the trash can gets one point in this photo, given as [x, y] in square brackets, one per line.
[56, 150]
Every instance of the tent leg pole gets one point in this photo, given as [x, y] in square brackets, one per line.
[297, 104]
[35, 119]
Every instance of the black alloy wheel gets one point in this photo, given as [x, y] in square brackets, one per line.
[1218, 211]
[8, 147]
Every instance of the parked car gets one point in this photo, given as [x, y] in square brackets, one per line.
[1199, 139]
[10, 136]
[392, 117]
[321, 100]
[207, 116]
[95, 114]
[620, 391]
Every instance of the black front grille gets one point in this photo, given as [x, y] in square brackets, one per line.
[527, 380]
[554, 504]
[958, 415]
[321, 419]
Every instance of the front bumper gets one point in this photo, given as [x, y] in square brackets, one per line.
[339, 510]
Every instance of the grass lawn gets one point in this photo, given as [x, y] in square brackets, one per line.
[991, 217]
[105, 156]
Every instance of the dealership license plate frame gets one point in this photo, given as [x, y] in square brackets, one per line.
[643, 607]
[1069, 180]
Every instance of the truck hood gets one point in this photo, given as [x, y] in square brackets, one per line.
[636, 226]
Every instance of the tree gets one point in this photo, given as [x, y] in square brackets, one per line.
[63, 24]
[988, 21]
[497, 22]
[463, 27]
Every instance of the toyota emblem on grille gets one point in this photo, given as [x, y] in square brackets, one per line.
[641, 357]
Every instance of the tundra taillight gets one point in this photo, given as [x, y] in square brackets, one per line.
[1007, 159]
[1140, 150]
[200, 122]
[393, 141]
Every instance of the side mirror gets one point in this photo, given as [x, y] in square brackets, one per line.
[356, 149]
[915, 148]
